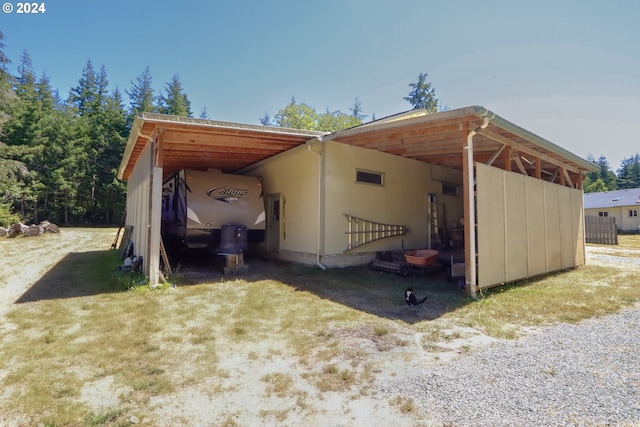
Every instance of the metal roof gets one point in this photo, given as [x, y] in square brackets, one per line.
[612, 199]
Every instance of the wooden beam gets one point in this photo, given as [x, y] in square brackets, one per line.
[523, 148]
[538, 168]
[495, 155]
[567, 178]
[160, 148]
[507, 158]
[521, 168]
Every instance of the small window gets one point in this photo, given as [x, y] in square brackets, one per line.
[449, 189]
[633, 212]
[368, 177]
[603, 213]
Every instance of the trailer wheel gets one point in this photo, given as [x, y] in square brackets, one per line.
[404, 270]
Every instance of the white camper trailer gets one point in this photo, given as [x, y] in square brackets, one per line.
[198, 205]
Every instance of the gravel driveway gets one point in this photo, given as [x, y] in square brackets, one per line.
[568, 375]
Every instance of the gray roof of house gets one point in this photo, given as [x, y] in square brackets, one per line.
[612, 199]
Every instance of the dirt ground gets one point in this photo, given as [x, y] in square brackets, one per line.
[247, 400]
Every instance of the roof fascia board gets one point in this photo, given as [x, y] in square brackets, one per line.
[191, 121]
[406, 119]
[529, 136]
[136, 132]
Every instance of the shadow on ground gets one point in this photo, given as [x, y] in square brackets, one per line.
[77, 275]
[374, 292]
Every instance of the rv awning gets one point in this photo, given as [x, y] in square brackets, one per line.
[184, 142]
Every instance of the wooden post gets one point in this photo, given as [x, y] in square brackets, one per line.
[507, 158]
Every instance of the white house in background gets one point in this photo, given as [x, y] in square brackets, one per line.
[623, 205]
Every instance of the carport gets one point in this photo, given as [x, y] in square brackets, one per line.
[159, 145]
[522, 195]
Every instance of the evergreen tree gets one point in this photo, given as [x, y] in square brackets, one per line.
[629, 172]
[175, 100]
[26, 131]
[141, 95]
[605, 175]
[422, 95]
[111, 193]
[101, 132]
[356, 111]
[266, 120]
[88, 97]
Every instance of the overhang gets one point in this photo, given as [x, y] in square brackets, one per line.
[184, 142]
[439, 138]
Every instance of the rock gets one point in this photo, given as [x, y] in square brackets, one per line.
[134, 420]
[3, 232]
[33, 231]
[49, 227]
[16, 229]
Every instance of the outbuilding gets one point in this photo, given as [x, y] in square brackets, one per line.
[511, 200]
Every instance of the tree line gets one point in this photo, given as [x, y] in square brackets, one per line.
[627, 176]
[59, 157]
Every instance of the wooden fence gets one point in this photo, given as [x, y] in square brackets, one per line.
[601, 229]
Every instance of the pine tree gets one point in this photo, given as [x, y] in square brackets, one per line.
[422, 95]
[356, 110]
[602, 180]
[629, 172]
[141, 95]
[12, 172]
[102, 128]
[175, 100]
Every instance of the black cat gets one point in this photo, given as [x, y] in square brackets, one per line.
[411, 299]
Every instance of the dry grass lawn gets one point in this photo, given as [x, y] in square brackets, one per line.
[83, 344]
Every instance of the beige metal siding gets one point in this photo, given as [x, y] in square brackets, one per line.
[491, 226]
[139, 204]
[144, 188]
[293, 174]
[526, 226]
[516, 230]
[535, 227]
[401, 200]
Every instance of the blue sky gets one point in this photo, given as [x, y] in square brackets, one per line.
[567, 70]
